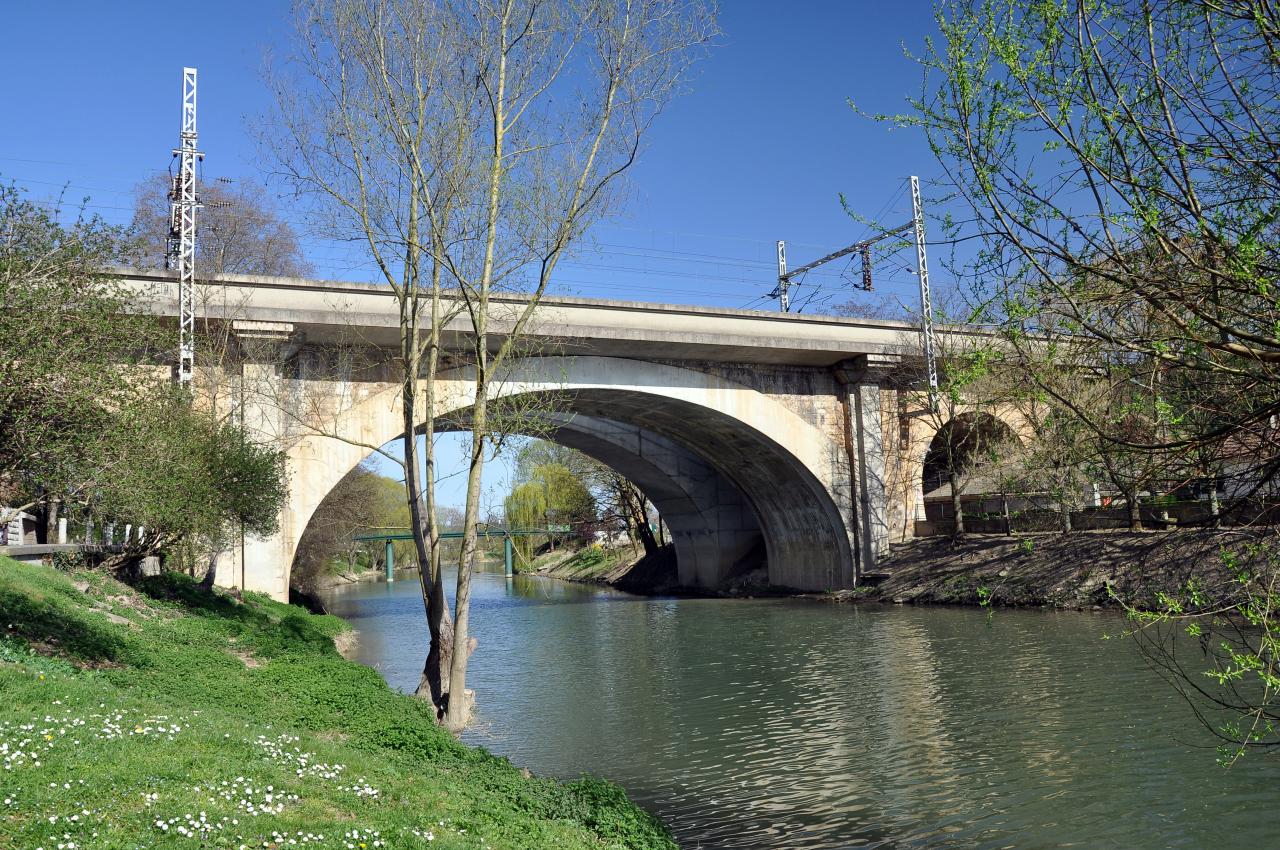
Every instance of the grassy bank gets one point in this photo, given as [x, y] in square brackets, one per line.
[582, 562]
[166, 716]
[619, 567]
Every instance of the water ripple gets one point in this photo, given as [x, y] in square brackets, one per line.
[749, 724]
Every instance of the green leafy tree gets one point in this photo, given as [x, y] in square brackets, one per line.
[549, 494]
[191, 481]
[88, 415]
[1119, 160]
[66, 343]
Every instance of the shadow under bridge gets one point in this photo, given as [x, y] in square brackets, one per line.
[733, 498]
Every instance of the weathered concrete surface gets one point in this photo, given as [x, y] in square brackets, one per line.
[776, 461]
[712, 526]
[741, 425]
[325, 312]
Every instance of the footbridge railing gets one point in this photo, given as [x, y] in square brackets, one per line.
[390, 535]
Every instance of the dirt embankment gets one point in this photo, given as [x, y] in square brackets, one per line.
[1062, 571]
[620, 568]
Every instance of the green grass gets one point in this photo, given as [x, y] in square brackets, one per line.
[203, 721]
[590, 562]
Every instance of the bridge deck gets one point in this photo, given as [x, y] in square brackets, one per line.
[328, 311]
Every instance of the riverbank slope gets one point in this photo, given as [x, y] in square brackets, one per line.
[616, 567]
[1095, 569]
[1079, 570]
[164, 715]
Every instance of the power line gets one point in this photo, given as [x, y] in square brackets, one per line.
[341, 256]
[786, 279]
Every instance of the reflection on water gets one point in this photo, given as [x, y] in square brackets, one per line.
[773, 723]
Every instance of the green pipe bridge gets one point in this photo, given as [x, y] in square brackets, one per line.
[390, 535]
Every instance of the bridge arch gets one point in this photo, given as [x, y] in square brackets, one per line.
[962, 442]
[727, 461]
[922, 437]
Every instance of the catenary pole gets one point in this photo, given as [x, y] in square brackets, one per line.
[926, 300]
[183, 204]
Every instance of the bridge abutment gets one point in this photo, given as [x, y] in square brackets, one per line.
[255, 562]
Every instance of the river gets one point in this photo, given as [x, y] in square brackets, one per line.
[798, 724]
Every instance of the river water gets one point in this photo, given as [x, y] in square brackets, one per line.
[798, 724]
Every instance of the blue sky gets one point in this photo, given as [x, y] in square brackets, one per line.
[757, 151]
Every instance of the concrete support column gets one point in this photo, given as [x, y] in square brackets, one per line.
[871, 471]
[62, 531]
[861, 379]
[261, 563]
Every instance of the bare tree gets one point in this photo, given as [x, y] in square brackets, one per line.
[468, 146]
[241, 231]
[1055, 456]
[963, 415]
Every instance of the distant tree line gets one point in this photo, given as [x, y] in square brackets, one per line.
[362, 501]
[557, 486]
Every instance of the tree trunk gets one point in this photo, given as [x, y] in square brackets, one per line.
[646, 537]
[957, 508]
[47, 532]
[1135, 511]
[211, 572]
[434, 682]
[1004, 504]
[1215, 505]
[458, 711]
[640, 518]
[1064, 514]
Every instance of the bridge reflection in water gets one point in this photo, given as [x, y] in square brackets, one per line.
[792, 724]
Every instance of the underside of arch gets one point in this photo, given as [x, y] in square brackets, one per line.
[726, 464]
[713, 528]
[722, 487]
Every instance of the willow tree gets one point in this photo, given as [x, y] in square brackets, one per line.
[1122, 160]
[468, 146]
[544, 496]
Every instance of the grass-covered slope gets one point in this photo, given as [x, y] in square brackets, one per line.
[618, 567]
[168, 717]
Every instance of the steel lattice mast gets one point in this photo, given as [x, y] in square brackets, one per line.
[182, 228]
[786, 279]
[926, 300]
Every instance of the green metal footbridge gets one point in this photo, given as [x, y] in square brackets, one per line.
[390, 535]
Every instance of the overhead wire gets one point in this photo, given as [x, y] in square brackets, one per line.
[336, 256]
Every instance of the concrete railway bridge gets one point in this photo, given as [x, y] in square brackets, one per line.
[793, 438]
